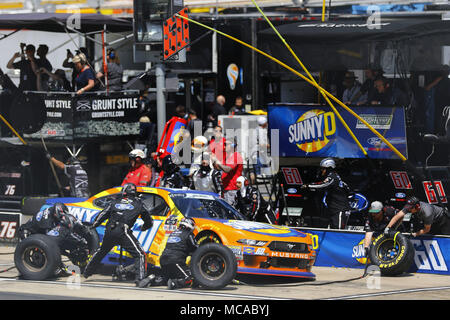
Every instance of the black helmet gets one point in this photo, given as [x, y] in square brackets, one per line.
[167, 164]
[128, 190]
[187, 223]
[73, 161]
[59, 209]
[412, 201]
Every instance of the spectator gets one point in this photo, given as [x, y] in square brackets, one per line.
[368, 86]
[259, 147]
[114, 69]
[232, 169]
[217, 144]
[43, 64]
[85, 79]
[58, 80]
[352, 88]
[193, 123]
[71, 64]
[180, 111]
[238, 107]
[217, 109]
[388, 95]
[148, 134]
[28, 68]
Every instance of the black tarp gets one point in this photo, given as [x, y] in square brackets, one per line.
[56, 22]
[397, 45]
[357, 30]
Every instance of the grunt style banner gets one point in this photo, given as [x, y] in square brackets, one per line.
[315, 131]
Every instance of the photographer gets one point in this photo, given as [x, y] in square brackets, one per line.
[28, 67]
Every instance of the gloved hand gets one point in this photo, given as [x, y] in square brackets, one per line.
[48, 155]
[386, 231]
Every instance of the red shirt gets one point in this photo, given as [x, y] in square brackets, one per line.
[218, 149]
[234, 160]
[140, 176]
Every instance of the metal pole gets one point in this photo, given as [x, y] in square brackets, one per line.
[160, 98]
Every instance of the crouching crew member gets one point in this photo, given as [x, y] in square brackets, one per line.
[122, 214]
[377, 219]
[180, 244]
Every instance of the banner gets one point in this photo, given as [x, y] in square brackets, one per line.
[345, 249]
[315, 131]
[70, 116]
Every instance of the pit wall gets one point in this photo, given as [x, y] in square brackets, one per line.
[345, 249]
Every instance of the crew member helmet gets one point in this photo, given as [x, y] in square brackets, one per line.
[59, 209]
[136, 153]
[328, 163]
[187, 223]
[128, 190]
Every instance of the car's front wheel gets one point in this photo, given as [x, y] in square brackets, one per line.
[213, 266]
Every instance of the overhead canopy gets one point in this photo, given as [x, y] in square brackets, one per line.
[56, 22]
[361, 30]
[398, 44]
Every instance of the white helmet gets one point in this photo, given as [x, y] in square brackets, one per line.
[328, 163]
[199, 143]
[187, 223]
[136, 153]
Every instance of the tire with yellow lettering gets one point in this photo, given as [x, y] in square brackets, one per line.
[213, 266]
[393, 254]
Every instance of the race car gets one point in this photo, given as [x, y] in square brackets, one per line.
[260, 248]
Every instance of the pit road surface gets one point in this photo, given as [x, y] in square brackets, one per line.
[330, 284]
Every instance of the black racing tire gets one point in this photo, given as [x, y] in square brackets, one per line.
[31, 205]
[37, 257]
[393, 254]
[213, 266]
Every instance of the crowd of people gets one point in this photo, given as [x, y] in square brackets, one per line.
[38, 74]
[424, 91]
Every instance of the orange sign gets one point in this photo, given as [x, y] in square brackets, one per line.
[175, 34]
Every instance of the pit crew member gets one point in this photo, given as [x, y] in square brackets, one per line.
[206, 178]
[336, 194]
[180, 244]
[122, 214]
[436, 220]
[377, 219]
[172, 177]
[78, 178]
[251, 204]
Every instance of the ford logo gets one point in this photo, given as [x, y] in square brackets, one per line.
[400, 195]
[374, 141]
[292, 190]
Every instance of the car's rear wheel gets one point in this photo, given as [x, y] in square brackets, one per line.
[37, 257]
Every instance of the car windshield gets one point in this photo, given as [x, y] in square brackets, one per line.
[205, 206]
